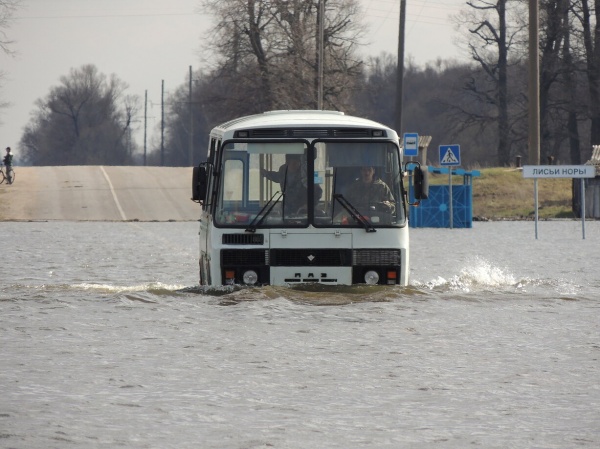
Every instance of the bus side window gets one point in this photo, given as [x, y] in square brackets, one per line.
[233, 185]
[215, 146]
[212, 150]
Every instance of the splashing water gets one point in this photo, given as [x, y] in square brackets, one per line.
[481, 275]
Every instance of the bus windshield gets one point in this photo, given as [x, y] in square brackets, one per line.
[295, 183]
[361, 183]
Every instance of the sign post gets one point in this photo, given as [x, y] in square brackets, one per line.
[411, 144]
[559, 171]
[449, 157]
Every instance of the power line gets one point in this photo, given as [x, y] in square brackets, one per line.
[420, 12]
[102, 16]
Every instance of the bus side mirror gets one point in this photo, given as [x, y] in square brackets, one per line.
[199, 184]
[421, 183]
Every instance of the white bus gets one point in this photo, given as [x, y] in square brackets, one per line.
[296, 197]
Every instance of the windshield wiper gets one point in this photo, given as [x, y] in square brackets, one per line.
[354, 212]
[264, 212]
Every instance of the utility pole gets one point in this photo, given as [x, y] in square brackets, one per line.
[191, 154]
[400, 69]
[321, 43]
[145, 123]
[534, 82]
[162, 124]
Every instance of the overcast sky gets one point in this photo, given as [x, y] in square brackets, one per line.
[146, 41]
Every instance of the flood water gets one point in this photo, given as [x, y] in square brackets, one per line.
[105, 343]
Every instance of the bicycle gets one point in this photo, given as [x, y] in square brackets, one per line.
[9, 175]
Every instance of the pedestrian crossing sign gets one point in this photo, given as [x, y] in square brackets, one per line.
[449, 155]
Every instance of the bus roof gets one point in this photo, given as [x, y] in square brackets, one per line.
[301, 119]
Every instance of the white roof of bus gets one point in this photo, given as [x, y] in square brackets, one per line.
[299, 118]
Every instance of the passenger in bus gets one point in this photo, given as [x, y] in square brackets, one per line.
[368, 193]
[293, 183]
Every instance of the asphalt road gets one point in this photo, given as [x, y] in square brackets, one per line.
[99, 193]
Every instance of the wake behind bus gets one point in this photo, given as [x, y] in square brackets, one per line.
[304, 197]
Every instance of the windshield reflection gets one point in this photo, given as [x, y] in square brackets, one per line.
[355, 184]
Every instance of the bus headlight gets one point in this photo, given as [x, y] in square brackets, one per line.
[371, 277]
[250, 277]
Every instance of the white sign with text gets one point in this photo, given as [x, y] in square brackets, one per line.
[559, 171]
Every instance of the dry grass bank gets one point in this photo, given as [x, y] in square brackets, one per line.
[503, 193]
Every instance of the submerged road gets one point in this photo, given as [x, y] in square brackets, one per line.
[99, 193]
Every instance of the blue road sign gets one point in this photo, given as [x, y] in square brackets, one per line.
[449, 155]
[411, 144]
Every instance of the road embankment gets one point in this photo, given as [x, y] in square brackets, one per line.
[99, 193]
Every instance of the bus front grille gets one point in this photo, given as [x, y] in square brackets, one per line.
[376, 257]
[311, 257]
[322, 132]
[236, 258]
[352, 132]
[267, 133]
[243, 239]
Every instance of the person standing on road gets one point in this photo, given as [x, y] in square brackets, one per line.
[8, 163]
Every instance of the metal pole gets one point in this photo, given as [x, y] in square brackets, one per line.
[162, 123]
[145, 123]
[535, 200]
[534, 83]
[191, 155]
[400, 69]
[321, 53]
[583, 207]
[450, 200]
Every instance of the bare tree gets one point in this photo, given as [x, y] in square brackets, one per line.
[564, 79]
[552, 41]
[570, 82]
[266, 52]
[7, 9]
[177, 129]
[590, 23]
[263, 56]
[82, 121]
[493, 31]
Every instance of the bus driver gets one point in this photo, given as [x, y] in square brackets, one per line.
[370, 193]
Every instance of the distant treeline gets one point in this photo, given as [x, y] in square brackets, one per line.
[266, 55]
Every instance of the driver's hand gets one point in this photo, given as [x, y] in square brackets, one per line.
[384, 206]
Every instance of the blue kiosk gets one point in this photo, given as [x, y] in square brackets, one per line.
[434, 212]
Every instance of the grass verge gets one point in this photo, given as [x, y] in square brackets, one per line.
[503, 194]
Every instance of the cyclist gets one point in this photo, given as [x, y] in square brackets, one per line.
[8, 163]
